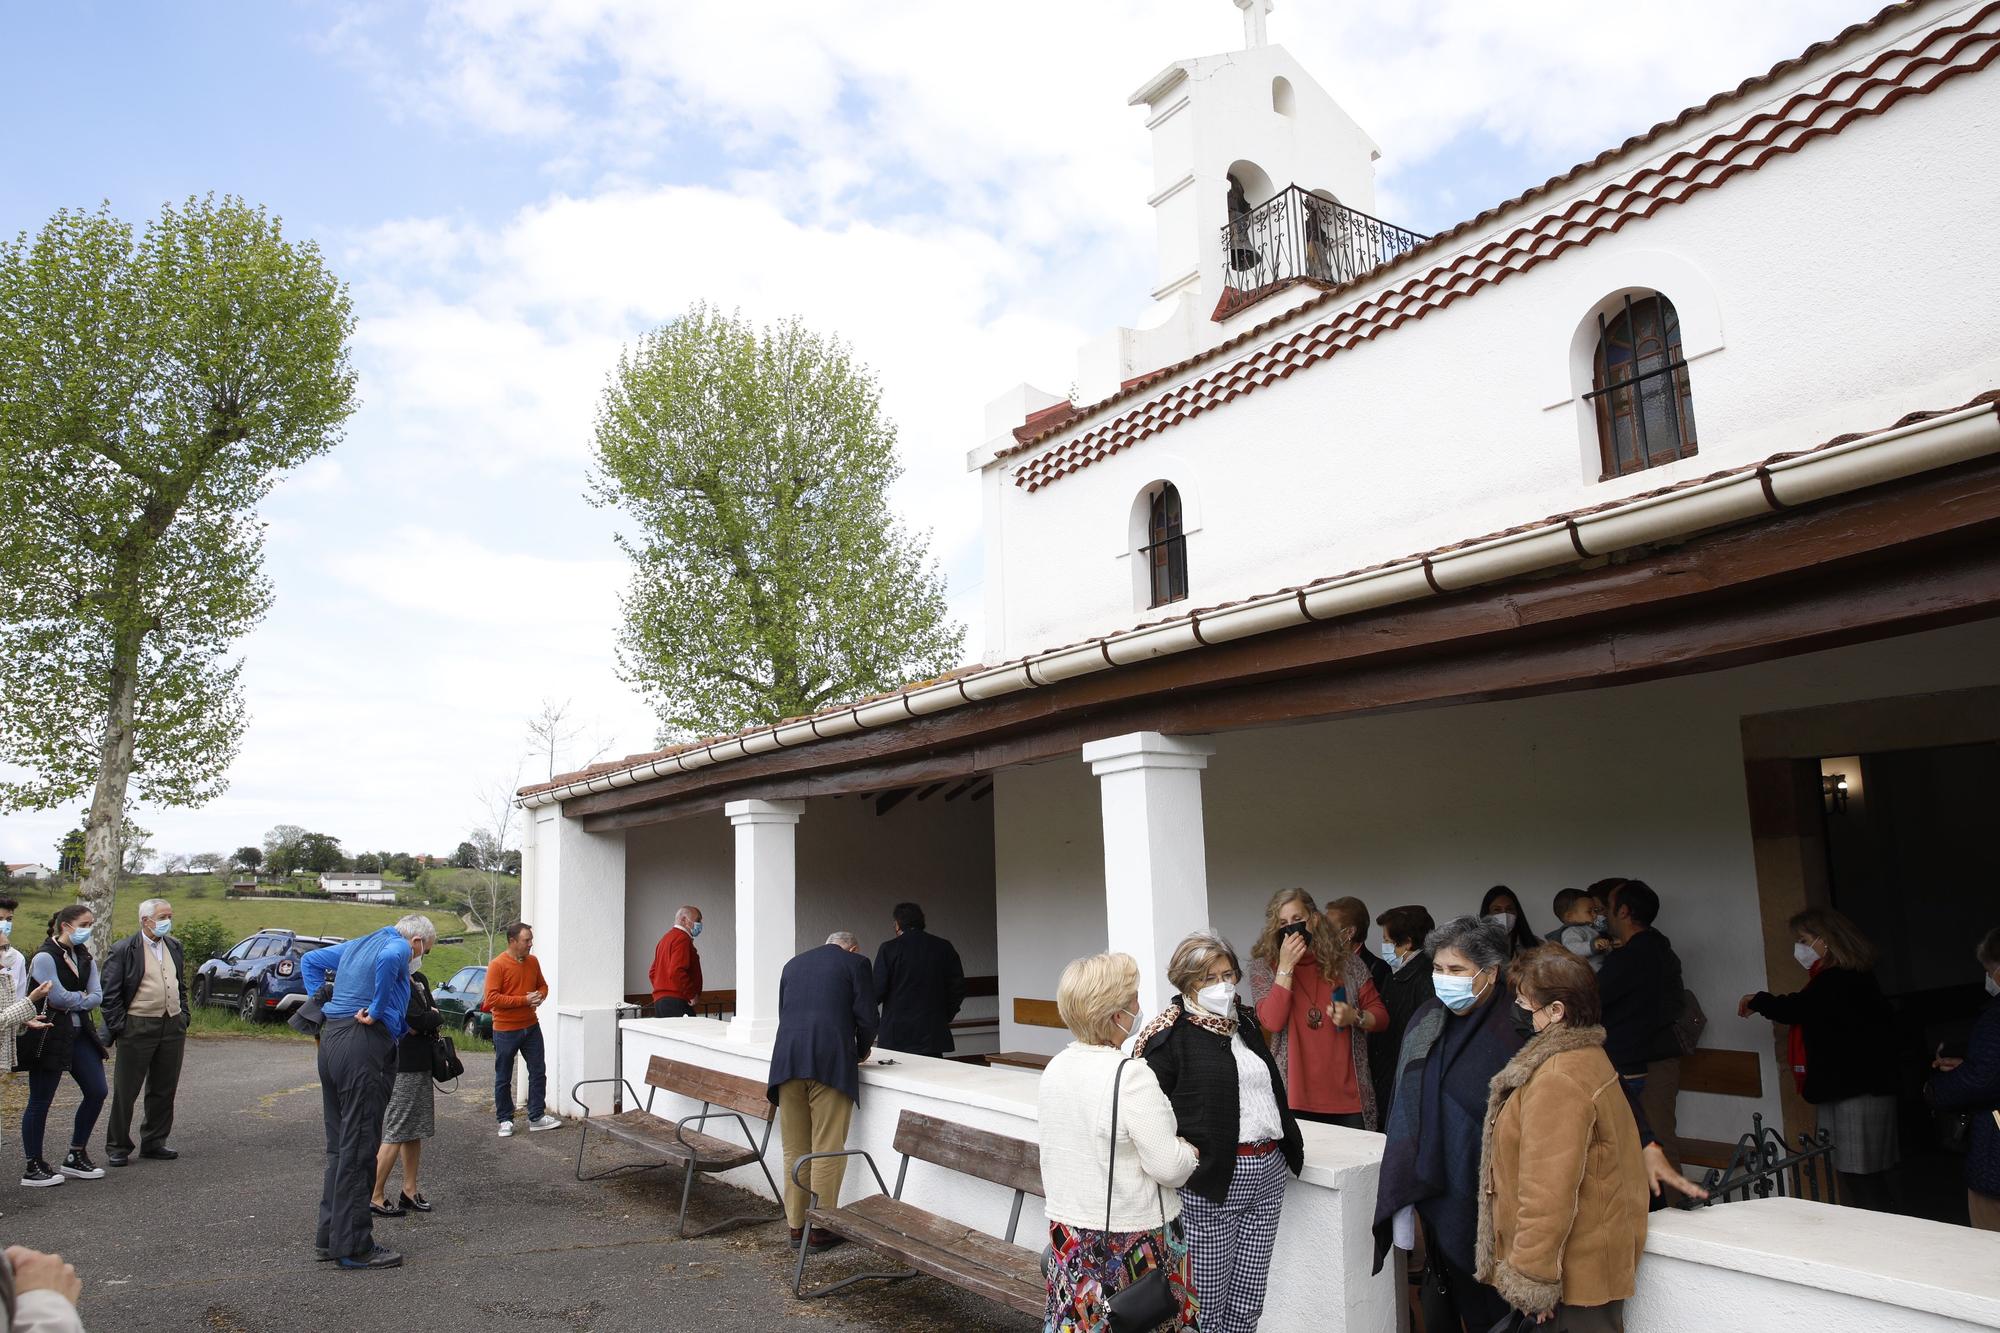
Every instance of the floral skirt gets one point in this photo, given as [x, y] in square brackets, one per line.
[1087, 1268]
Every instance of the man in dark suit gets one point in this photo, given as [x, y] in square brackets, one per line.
[921, 984]
[146, 1013]
[826, 1026]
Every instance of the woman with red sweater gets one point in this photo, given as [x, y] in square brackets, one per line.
[1314, 996]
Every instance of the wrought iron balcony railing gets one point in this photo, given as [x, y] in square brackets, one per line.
[1297, 234]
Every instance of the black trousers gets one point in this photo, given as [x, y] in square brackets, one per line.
[668, 1007]
[148, 1053]
[355, 1061]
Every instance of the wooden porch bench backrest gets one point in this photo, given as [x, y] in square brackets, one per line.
[730, 1091]
[1015, 1163]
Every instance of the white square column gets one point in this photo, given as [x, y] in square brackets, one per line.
[1155, 854]
[573, 894]
[766, 910]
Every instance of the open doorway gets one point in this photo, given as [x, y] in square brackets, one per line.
[1912, 858]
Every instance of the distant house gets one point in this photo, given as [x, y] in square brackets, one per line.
[356, 887]
[243, 884]
[29, 870]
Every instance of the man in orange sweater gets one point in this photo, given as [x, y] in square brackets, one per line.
[514, 992]
[676, 973]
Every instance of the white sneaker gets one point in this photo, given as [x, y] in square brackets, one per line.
[506, 1129]
[542, 1122]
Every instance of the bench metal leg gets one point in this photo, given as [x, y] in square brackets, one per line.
[583, 1140]
[799, 1273]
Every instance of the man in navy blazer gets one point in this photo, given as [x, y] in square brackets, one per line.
[826, 1027]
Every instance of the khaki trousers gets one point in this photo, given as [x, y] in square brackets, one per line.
[813, 1118]
[1985, 1210]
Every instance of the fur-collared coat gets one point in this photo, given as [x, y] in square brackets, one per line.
[1562, 1216]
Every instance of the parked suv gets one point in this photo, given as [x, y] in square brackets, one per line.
[261, 976]
[458, 1000]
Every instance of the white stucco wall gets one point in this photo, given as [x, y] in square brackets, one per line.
[1434, 807]
[853, 867]
[1835, 290]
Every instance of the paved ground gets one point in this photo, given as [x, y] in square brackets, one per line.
[220, 1240]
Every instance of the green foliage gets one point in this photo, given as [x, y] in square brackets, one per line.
[768, 576]
[466, 857]
[202, 938]
[152, 388]
[248, 857]
[319, 853]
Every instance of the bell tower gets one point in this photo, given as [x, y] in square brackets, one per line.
[1230, 133]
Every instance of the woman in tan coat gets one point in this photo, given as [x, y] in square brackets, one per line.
[1562, 1217]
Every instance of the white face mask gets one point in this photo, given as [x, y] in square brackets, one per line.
[416, 962]
[1219, 999]
[1504, 920]
[1992, 986]
[1806, 955]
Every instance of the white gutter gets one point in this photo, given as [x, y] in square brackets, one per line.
[1939, 441]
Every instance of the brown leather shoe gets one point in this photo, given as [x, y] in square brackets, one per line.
[798, 1234]
[823, 1240]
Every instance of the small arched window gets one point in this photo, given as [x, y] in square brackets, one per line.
[1165, 551]
[1283, 100]
[1639, 386]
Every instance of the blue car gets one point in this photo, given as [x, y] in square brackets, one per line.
[260, 977]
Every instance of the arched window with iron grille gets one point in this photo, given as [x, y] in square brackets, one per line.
[1165, 551]
[1639, 386]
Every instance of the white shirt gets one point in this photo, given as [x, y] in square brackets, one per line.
[1257, 1118]
[1075, 1112]
[17, 968]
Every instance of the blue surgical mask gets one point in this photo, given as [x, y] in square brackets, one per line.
[1601, 923]
[694, 930]
[163, 927]
[81, 935]
[7, 929]
[1457, 994]
[1389, 953]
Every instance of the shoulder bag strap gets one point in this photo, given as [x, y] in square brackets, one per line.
[1111, 1172]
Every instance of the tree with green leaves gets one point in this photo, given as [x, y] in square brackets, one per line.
[154, 385]
[249, 858]
[769, 577]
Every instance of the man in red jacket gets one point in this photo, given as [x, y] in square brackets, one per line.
[676, 973]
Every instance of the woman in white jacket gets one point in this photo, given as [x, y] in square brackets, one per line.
[1089, 1261]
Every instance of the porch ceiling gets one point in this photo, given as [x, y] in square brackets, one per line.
[1894, 559]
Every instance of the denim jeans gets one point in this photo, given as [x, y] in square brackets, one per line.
[86, 1066]
[527, 1043]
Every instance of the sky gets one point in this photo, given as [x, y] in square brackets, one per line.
[514, 189]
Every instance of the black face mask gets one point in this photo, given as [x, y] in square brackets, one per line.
[1524, 1022]
[1298, 928]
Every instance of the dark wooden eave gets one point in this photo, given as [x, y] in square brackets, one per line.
[1895, 559]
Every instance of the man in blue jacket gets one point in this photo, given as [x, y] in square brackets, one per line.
[826, 1027]
[364, 1021]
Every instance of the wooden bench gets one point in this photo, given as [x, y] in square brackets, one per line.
[973, 1261]
[1020, 1059]
[722, 1097]
[1725, 1074]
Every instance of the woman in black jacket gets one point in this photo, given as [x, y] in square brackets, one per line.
[1407, 989]
[1229, 1102]
[1843, 1048]
[71, 1046]
[411, 1116]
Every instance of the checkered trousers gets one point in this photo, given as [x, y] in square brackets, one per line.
[1230, 1243]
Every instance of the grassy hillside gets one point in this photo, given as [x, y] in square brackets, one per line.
[199, 896]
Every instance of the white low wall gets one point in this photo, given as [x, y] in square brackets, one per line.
[1735, 1268]
[1327, 1210]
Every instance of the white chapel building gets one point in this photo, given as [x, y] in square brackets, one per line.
[1646, 524]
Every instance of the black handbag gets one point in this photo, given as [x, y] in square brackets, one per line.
[29, 1044]
[445, 1064]
[1148, 1303]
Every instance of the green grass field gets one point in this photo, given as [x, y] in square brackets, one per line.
[199, 896]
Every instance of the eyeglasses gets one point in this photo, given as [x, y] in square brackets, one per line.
[1222, 978]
